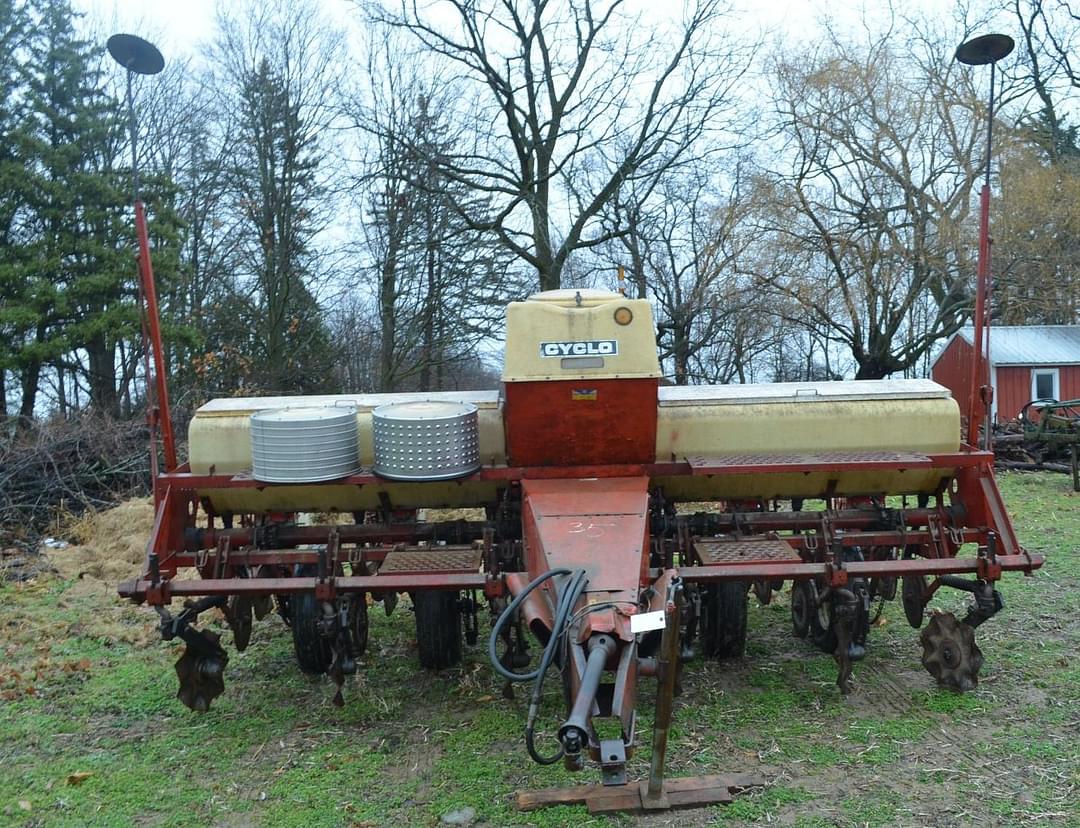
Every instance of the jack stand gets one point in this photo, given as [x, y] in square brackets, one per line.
[654, 793]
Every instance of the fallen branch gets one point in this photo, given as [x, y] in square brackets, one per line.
[1020, 466]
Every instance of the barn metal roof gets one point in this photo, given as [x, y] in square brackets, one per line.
[1031, 344]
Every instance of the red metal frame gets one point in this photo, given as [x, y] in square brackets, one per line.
[981, 390]
[976, 515]
[159, 411]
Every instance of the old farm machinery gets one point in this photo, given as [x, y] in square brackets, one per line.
[849, 492]
[589, 550]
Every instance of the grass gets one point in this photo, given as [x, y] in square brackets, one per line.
[85, 688]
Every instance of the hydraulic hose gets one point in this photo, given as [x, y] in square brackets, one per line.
[567, 598]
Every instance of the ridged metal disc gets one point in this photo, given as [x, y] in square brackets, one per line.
[304, 445]
[426, 440]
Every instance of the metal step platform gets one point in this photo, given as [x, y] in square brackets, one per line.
[432, 559]
[716, 551]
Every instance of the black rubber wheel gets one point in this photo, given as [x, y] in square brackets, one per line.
[438, 628]
[313, 652]
[723, 623]
[822, 632]
[802, 607]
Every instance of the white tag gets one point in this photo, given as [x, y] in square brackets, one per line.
[647, 621]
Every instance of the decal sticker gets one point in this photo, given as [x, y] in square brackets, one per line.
[591, 347]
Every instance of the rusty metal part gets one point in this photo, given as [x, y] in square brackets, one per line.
[988, 602]
[913, 597]
[574, 733]
[656, 792]
[934, 566]
[653, 795]
[763, 591]
[202, 666]
[741, 550]
[238, 612]
[804, 601]
[287, 535]
[201, 670]
[433, 559]
[285, 586]
[844, 618]
[950, 653]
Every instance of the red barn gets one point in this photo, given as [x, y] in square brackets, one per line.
[1027, 362]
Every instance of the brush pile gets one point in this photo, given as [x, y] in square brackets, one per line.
[56, 469]
[1013, 449]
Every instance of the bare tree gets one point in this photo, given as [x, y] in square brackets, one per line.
[440, 286]
[1048, 68]
[1037, 237]
[573, 102]
[868, 228]
[275, 64]
[684, 243]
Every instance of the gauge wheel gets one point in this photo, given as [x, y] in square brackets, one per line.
[723, 627]
[438, 628]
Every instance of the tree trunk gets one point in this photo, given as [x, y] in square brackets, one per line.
[31, 376]
[680, 352]
[428, 337]
[61, 396]
[101, 362]
[871, 368]
[387, 321]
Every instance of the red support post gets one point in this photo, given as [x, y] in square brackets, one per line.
[979, 397]
[161, 417]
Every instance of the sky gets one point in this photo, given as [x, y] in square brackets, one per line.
[177, 28]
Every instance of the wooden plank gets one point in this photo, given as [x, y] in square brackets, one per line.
[682, 792]
[700, 796]
[573, 795]
[621, 798]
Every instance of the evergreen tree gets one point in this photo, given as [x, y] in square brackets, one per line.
[14, 319]
[78, 297]
[274, 174]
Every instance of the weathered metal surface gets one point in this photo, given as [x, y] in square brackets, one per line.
[404, 582]
[1031, 344]
[576, 422]
[825, 461]
[426, 440]
[950, 653]
[600, 526]
[304, 445]
[912, 566]
[432, 559]
[744, 550]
